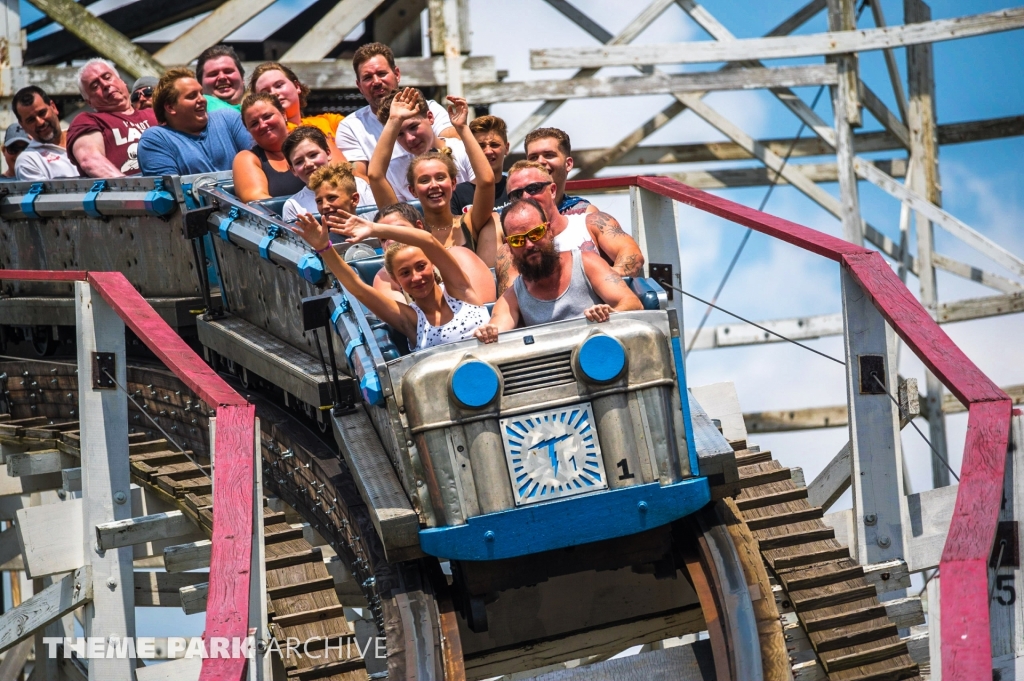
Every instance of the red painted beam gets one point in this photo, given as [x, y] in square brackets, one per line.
[142, 319]
[227, 603]
[966, 633]
[42, 275]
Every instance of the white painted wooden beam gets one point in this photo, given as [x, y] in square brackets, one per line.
[71, 479]
[52, 603]
[216, 26]
[145, 529]
[659, 83]
[191, 556]
[162, 589]
[50, 538]
[39, 462]
[185, 669]
[325, 35]
[820, 44]
[193, 598]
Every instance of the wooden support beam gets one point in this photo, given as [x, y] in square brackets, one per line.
[976, 308]
[39, 462]
[193, 598]
[820, 44]
[49, 535]
[162, 589]
[72, 479]
[71, 592]
[98, 35]
[833, 481]
[891, 66]
[106, 478]
[192, 556]
[216, 26]
[962, 269]
[759, 177]
[145, 529]
[846, 110]
[589, 168]
[882, 113]
[626, 35]
[330, 30]
[865, 142]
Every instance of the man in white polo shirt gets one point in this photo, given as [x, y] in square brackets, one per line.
[377, 76]
[46, 156]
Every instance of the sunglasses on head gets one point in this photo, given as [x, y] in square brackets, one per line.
[144, 92]
[534, 235]
[531, 189]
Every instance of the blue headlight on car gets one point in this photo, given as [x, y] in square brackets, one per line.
[475, 384]
[601, 359]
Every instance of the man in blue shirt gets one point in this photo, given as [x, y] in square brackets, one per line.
[189, 140]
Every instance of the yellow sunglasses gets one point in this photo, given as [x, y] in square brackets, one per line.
[534, 235]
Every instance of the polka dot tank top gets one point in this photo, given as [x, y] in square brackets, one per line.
[466, 320]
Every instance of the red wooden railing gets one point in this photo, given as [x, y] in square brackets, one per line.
[964, 588]
[227, 605]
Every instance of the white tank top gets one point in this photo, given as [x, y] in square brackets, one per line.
[574, 235]
[466, 320]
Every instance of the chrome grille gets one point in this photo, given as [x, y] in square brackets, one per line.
[537, 372]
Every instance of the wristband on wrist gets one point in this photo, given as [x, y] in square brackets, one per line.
[326, 248]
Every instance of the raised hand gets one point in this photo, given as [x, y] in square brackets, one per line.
[352, 227]
[314, 233]
[458, 111]
[403, 106]
[488, 333]
[598, 313]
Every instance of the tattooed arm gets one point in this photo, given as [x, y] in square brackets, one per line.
[616, 244]
[504, 271]
[608, 285]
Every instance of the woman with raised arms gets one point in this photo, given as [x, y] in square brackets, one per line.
[434, 166]
[438, 313]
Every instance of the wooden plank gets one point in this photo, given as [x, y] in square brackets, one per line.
[703, 152]
[928, 517]
[227, 612]
[876, 452]
[194, 599]
[966, 271]
[55, 601]
[106, 478]
[312, 615]
[637, 26]
[213, 28]
[619, 86]
[833, 481]
[39, 462]
[891, 66]
[883, 115]
[300, 588]
[161, 589]
[325, 35]
[846, 108]
[99, 36]
[187, 668]
[161, 339]
[190, 556]
[756, 177]
[657, 235]
[721, 402]
[819, 44]
[16, 486]
[932, 212]
[143, 529]
[71, 479]
[976, 308]
[49, 536]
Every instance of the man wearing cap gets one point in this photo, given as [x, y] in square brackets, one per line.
[142, 92]
[105, 143]
[46, 157]
[15, 141]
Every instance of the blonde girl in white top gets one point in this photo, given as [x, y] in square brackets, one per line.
[438, 314]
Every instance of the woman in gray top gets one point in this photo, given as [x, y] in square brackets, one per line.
[552, 286]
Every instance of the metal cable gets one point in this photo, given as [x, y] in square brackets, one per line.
[746, 237]
[153, 421]
[904, 414]
[754, 324]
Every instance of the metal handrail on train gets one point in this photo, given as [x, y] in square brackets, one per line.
[964, 597]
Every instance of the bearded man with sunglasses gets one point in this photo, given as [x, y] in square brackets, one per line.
[597, 232]
[552, 285]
